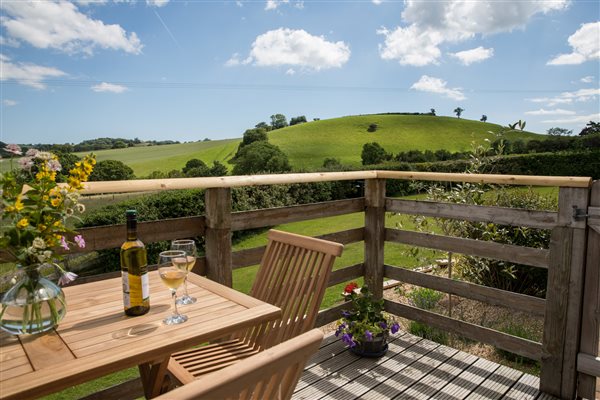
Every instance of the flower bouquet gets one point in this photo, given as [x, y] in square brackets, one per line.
[365, 328]
[35, 209]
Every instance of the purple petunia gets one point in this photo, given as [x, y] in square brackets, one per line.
[67, 277]
[346, 314]
[368, 335]
[395, 327]
[80, 241]
[383, 325]
[347, 338]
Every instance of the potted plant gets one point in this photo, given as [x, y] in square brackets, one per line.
[34, 233]
[365, 328]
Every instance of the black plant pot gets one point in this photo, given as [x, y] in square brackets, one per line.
[374, 348]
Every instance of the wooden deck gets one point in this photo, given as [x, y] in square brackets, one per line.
[413, 368]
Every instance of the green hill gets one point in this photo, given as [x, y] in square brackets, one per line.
[144, 160]
[308, 144]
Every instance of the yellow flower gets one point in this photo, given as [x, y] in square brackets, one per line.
[41, 227]
[55, 201]
[18, 204]
[23, 222]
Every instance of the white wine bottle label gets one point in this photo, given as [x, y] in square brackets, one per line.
[125, 279]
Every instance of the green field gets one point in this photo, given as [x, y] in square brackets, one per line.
[144, 160]
[307, 145]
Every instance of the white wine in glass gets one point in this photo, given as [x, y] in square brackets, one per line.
[189, 247]
[172, 267]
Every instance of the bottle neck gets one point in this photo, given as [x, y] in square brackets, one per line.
[131, 229]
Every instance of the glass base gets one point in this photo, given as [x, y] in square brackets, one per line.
[175, 319]
[186, 300]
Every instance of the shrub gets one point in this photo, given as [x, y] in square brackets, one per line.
[518, 330]
[425, 298]
[111, 170]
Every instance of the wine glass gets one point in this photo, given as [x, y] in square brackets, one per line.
[172, 269]
[189, 247]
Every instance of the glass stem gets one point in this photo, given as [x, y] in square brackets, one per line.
[174, 296]
[185, 292]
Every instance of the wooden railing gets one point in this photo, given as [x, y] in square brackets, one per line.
[566, 337]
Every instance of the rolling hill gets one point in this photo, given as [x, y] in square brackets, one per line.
[308, 144]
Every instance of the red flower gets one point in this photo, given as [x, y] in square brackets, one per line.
[350, 287]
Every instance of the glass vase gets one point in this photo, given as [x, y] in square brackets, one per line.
[33, 305]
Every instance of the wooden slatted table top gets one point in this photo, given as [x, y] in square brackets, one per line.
[96, 338]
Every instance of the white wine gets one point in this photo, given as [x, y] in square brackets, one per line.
[134, 271]
[186, 263]
[171, 277]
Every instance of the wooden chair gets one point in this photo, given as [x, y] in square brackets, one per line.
[270, 374]
[293, 275]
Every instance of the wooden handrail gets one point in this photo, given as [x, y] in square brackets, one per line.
[142, 185]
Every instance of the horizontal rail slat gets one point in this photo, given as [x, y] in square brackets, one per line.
[330, 314]
[248, 257]
[346, 274]
[489, 295]
[524, 180]
[469, 212]
[480, 248]
[113, 236]
[588, 364]
[276, 216]
[523, 347]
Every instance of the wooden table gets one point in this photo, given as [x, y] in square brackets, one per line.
[96, 338]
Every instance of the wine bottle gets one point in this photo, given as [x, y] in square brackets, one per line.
[134, 270]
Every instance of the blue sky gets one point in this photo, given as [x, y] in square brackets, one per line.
[186, 70]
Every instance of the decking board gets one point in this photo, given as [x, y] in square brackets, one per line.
[413, 368]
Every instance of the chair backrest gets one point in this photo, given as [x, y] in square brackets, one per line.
[270, 374]
[293, 275]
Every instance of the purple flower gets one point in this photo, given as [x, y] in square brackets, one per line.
[383, 325]
[14, 149]
[340, 329]
[63, 243]
[347, 338]
[346, 314]
[67, 277]
[80, 241]
[395, 327]
[368, 335]
[32, 152]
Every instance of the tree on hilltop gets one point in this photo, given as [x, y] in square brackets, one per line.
[372, 153]
[458, 111]
[483, 118]
[260, 157]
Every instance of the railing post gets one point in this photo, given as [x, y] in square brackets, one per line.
[590, 321]
[218, 235]
[564, 296]
[374, 234]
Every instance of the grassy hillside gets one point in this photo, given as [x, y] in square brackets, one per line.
[144, 160]
[307, 145]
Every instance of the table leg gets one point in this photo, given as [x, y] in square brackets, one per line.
[152, 375]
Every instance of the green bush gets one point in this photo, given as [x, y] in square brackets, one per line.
[425, 298]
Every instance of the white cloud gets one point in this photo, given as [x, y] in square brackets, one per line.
[290, 71]
[436, 85]
[585, 43]
[377, 2]
[478, 54]
[297, 48]
[411, 46]
[26, 73]
[581, 95]
[557, 111]
[274, 4]
[109, 87]
[587, 79]
[60, 25]
[575, 119]
[9, 103]
[432, 23]
[157, 3]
